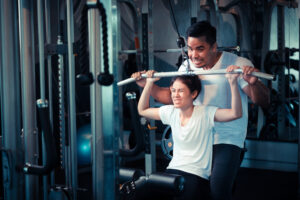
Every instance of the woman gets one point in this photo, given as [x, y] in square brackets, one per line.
[192, 128]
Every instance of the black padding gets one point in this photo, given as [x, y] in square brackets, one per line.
[166, 183]
[126, 174]
[137, 129]
[85, 79]
[50, 147]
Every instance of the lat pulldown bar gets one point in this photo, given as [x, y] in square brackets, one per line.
[208, 72]
[177, 50]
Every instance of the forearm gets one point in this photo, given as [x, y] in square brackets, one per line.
[228, 114]
[144, 98]
[236, 103]
[260, 94]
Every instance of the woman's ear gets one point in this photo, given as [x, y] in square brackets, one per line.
[194, 94]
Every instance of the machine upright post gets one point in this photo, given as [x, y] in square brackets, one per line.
[71, 102]
[10, 101]
[96, 105]
[298, 190]
[40, 16]
[148, 61]
[50, 96]
[115, 94]
[103, 120]
[281, 74]
[26, 36]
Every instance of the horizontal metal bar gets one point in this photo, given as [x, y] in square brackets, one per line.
[208, 72]
[134, 51]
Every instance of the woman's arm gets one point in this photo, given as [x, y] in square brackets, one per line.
[143, 105]
[224, 115]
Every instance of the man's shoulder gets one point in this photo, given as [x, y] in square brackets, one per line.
[237, 60]
[185, 64]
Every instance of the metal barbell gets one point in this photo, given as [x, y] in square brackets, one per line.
[197, 72]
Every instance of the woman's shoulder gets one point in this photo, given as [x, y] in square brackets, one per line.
[168, 108]
[204, 108]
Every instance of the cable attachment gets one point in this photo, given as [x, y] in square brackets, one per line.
[85, 79]
[180, 42]
[105, 79]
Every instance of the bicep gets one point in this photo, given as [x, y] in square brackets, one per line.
[223, 115]
[151, 113]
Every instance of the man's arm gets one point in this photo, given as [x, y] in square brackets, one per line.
[256, 90]
[258, 93]
[160, 94]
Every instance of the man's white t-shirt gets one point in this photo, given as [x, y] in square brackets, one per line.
[192, 150]
[216, 91]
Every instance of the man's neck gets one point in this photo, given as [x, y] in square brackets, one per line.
[216, 59]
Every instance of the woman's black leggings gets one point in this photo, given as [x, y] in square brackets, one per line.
[225, 165]
[195, 187]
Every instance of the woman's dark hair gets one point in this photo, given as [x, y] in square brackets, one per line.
[191, 81]
[202, 28]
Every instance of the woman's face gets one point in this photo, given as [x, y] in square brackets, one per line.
[181, 95]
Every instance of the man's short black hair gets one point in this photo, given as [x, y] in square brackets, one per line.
[202, 28]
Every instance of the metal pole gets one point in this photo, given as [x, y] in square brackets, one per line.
[195, 6]
[71, 103]
[282, 129]
[28, 93]
[50, 101]
[40, 17]
[106, 110]
[116, 46]
[148, 60]
[13, 180]
[298, 190]
[49, 64]
[96, 105]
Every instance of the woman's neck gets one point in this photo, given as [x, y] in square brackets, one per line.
[186, 114]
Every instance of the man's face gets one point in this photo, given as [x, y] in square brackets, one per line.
[201, 53]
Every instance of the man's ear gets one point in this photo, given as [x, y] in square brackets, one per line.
[214, 47]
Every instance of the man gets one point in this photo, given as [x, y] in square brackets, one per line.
[229, 137]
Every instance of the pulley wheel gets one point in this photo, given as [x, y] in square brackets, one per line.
[167, 143]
